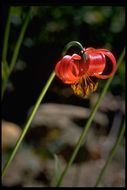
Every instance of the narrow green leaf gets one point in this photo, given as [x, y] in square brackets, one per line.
[110, 156]
[57, 169]
[4, 70]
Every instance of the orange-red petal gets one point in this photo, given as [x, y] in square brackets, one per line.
[66, 70]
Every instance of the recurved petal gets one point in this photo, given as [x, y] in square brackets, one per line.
[66, 70]
[111, 66]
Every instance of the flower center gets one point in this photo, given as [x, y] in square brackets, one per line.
[85, 86]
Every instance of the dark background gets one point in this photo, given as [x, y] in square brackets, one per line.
[50, 29]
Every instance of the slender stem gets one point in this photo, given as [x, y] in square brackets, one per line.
[87, 126]
[34, 109]
[40, 98]
[16, 51]
[6, 37]
[110, 156]
[70, 44]
[4, 53]
[19, 41]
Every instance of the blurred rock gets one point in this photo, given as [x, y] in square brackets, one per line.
[10, 134]
[109, 102]
[63, 117]
[23, 169]
[85, 174]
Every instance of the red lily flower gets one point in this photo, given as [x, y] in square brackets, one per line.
[83, 74]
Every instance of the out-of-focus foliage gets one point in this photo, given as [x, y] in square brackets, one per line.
[90, 25]
[74, 22]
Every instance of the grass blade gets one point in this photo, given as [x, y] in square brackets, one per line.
[111, 154]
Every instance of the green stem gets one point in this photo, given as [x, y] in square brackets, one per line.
[111, 154]
[16, 51]
[33, 112]
[40, 98]
[87, 126]
[6, 37]
[4, 53]
[70, 44]
[19, 41]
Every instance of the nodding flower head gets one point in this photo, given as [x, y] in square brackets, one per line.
[83, 71]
